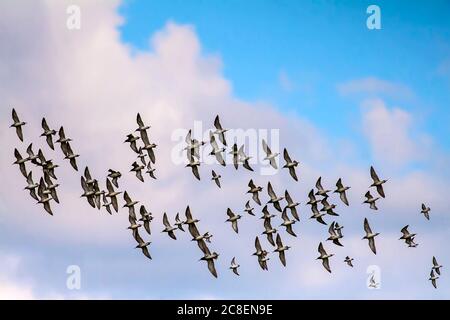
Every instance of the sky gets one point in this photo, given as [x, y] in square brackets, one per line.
[342, 97]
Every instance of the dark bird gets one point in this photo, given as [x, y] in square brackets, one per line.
[148, 146]
[371, 200]
[31, 156]
[370, 236]
[189, 219]
[436, 266]
[341, 190]
[209, 258]
[199, 238]
[194, 164]
[377, 182]
[244, 159]
[98, 194]
[269, 231]
[281, 250]
[233, 218]
[235, 152]
[273, 197]
[114, 175]
[216, 150]
[406, 235]
[248, 208]
[178, 222]
[146, 218]
[137, 169]
[31, 186]
[287, 223]
[234, 266]
[266, 214]
[63, 140]
[51, 187]
[220, 131]
[112, 194]
[130, 205]
[324, 256]
[291, 205]
[320, 190]
[317, 214]
[44, 197]
[142, 245]
[290, 164]
[71, 156]
[216, 178]
[328, 207]
[17, 124]
[168, 228]
[261, 254]
[48, 133]
[106, 204]
[312, 198]
[151, 171]
[410, 242]
[269, 155]
[20, 162]
[348, 261]
[425, 211]
[132, 140]
[87, 175]
[334, 235]
[254, 191]
[141, 125]
[433, 279]
[88, 192]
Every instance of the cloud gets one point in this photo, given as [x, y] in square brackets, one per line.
[374, 87]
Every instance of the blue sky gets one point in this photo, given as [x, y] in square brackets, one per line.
[343, 97]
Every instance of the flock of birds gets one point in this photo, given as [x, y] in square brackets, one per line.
[145, 159]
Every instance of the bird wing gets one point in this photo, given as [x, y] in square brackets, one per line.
[405, 231]
[311, 196]
[290, 230]
[230, 213]
[284, 215]
[272, 194]
[87, 174]
[278, 241]
[217, 123]
[424, 207]
[127, 198]
[331, 230]
[139, 120]
[319, 184]
[372, 245]
[288, 198]
[326, 264]
[220, 159]
[212, 268]
[145, 252]
[266, 148]
[321, 250]
[257, 245]
[367, 226]
[286, 156]
[109, 186]
[188, 213]
[195, 172]
[19, 133]
[166, 220]
[339, 184]
[435, 263]
[193, 230]
[44, 125]
[343, 197]
[256, 198]
[14, 116]
[373, 174]
[380, 190]
[234, 225]
[270, 239]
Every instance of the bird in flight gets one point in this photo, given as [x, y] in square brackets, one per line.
[269, 155]
[370, 236]
[244, 159]
[377, 182]
[216, 178]
[220, 131]
[290, 164]
[341, 190]
[254, 191]
[335, 235]
[168, 228]
[17, 124]
[281, 250]
[287, 223]
[248, 208]
[324, 256]
[291, 205]
[261, 254]
[48, 133]
[433, 279]
[320, 190]
[371, 200]
[233, 218]
[349, 261]
[436, 266]
[273, 197]
[234, 266]
[114, 175]
[425, 211]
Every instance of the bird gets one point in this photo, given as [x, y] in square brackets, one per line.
[410, 242]
[436, 266]
[138, 170]
[377, 182]
[234, 266]
[134, 226]
[88, 192]
[189, 219]
[248, 208]
[244, 159]
[168, 228]
[50, 167]
[87, 175]
[51, 187]
[287, 223]
[371, 200]
[261, 254]
[130, 205]
[341, 190]
[17, 124]
[254, 191]
[320, 190]
[31, 186]
[370, 236]
[209, 258]
[433, 278]
[71, 156]
[235, 153]
[317, 214]
[178, 223]
[348, 261]
[199, 238]
[233, 218]
[372, 282]
[63, 140]
[338, 229]
[142, 126]
[146, 218]
[216, 178]
[406, 235]
[20, 162]
[290, 164]
[132, 140]
[273, 197]
[220, 131]
[269, 155]
[324, 256]
[98, 194]
[269, 231]
[31, 156]
[48, 133]
[312, 198]
[334, 236]
[194, 164]
[44, 197]
[291, 205]
[142, 245]
[266, 213]
[112, 194]
[216, 150]
[151, 171]
[281, 250]
[114, 175]
[193, 145]
[425, 211]
[106, 204]
[148, 146]
[328, 207]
